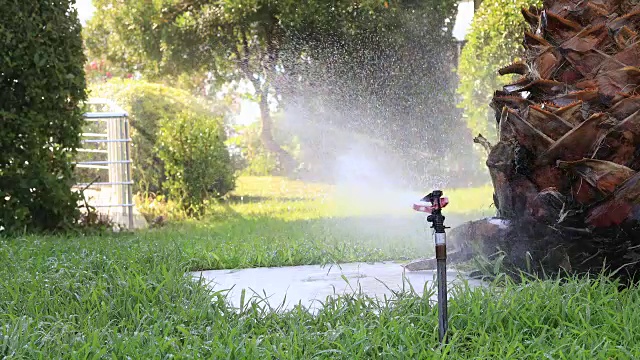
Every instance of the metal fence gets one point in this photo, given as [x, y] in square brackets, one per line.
[106, 146]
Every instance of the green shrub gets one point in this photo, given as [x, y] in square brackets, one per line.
[196, 160]
[42, 84]
[494, 41]
[262, 163]
[148, 104]
[251, 158]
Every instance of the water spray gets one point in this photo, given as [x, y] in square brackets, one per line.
[433, 204]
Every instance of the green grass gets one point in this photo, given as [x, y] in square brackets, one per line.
[125, 296]
[276, 222]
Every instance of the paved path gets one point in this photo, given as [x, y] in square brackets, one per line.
[308, 283]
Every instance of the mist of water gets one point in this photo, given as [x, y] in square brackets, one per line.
[368, 144]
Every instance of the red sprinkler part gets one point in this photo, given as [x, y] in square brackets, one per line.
[428, 207]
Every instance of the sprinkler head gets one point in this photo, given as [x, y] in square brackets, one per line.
[430, 203]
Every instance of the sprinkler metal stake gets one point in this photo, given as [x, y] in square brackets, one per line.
[433, 204]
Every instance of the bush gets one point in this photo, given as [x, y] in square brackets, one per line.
[494, 41]
[196, 160]
[148, 104]
[42, 81]
[251, 158]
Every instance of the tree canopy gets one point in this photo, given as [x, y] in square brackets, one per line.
[385, 68]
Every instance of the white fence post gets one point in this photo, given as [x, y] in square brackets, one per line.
[118, 161]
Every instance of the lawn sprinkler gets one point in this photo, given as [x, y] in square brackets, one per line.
[433, 204]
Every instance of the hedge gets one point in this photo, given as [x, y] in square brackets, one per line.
[42, 86]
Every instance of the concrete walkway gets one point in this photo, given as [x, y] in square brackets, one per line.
[306, 284]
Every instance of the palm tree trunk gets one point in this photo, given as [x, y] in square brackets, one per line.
[566, 169]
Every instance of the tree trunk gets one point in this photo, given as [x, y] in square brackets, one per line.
[566, 169]
[286, 162]
[476, 4]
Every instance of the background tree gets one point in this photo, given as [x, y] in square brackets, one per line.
[494, 41]
[389, 74]
[232, 39]
[387, 67]
[42, 85]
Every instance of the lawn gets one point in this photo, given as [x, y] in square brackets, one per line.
[122, 296]
[276, 222]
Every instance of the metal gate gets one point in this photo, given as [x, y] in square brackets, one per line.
[106, 149]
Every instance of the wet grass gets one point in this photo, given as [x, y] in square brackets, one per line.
[278, 222]
[125, 296]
